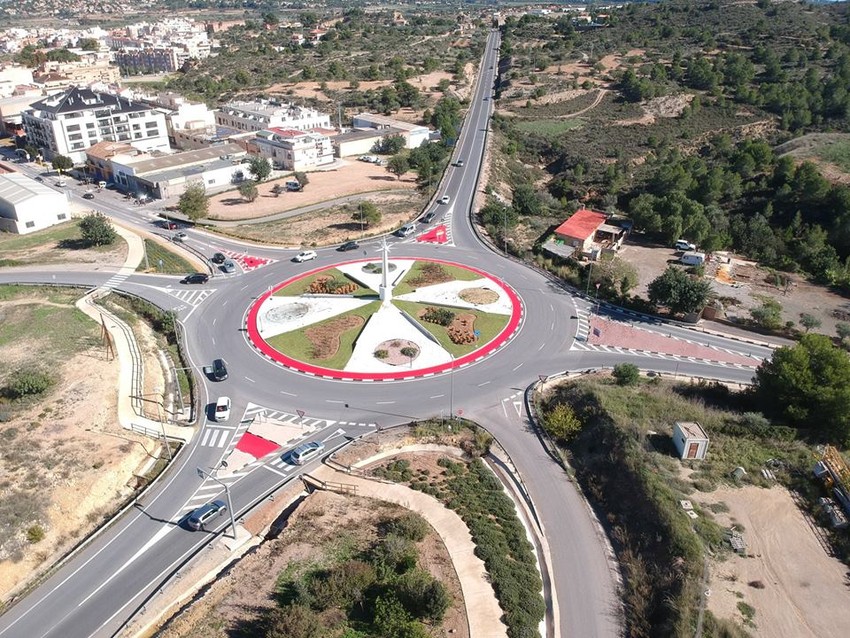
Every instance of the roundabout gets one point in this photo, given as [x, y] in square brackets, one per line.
[394, 319]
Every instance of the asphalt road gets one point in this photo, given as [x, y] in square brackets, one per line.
[101, 587]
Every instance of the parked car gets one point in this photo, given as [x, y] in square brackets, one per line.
[682, 244]
[169, 225]
[179, 237]
[305, 255]
[205, 514]
[459, 163]
[445, 199]
[88, 195]
[404, 231]
[349, 245]
[229, 266]
[219, 370]
[306, 451]
[428, 217]
[196, 278]
[61, 183]
[222, 409]
[218, 258]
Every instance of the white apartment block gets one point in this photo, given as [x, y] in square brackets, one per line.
[261, 115]
[292, 150]
[11, 76]
[70, 122]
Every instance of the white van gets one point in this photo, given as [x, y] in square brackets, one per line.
[406, 230]
[693, 259]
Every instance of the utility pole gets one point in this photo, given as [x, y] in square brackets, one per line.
[203, 475]
[452, 390]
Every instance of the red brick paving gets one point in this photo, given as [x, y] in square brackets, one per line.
[621, 335]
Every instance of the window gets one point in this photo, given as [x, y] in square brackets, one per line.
[30, 224]
[76, 146]
[136, 127]
[61, 216]
[150, 124]
[75, 136]
[137, 136]
[89, 124]
[73, 127]
[153, 133]
[211, 181]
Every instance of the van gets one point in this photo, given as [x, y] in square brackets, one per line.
[693, 259]
[406, 230]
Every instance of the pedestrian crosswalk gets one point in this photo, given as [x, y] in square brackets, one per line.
[307, 422]
[588, 347]
[215, 437]
[117, 279]
[190, 297]
[583, 329]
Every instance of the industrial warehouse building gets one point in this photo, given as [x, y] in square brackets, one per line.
[27, 205]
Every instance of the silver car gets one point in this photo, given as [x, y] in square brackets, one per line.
[229, 265]
[205, 513]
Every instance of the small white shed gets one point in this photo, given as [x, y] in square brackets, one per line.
[27, 205]
[690, 440]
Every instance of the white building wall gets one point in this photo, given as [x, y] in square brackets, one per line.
[34, 214]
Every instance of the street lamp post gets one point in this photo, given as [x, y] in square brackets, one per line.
[204, 474]
[452, 390]
[589, 274]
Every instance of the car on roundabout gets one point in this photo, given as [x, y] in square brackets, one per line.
[229, 266]
[205, 514]
[427, 218]
[218, 258]
[349, 245]
[305, 255]
[88, 195]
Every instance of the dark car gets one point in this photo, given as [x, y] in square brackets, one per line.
[169, 225]
[88, 195]
[219, 370]
[349, 245]
[428, 217]
[218, 258]
[205, 513]
[196, 278]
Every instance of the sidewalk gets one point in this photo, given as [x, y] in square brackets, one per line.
[127, 350]
[482, 608]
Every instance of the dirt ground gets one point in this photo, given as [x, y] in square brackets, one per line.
[103, 258]
[351, 178]
[325, 523]
[744, 282]
[805, 592]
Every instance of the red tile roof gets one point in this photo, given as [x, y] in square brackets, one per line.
[582, 224]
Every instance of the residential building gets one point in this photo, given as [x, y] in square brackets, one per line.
[260, 115]
[27, 205]
[11, 76]
[93, 66]
[292, 150]
[168, 176]
[12, 107]
[68, 123]
[690, 440]
[148, 60]
[98, 165]
[587, 233]
[414, 135]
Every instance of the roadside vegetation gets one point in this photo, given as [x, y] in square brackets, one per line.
[617, 434]
[77, 240]
[171, 262]
[472, 490]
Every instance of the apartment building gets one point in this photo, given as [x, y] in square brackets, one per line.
[292, 150]
[261, 115]
[414, 134]
[68, 123]
[147, 60]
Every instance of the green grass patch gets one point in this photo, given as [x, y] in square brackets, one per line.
[49, 236]
[549, 128]
[488, 324]
[295, 344]
[303, 285]
[172, 263]
[837, 153]
[455, 272]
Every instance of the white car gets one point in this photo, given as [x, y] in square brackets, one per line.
[683, 244]
[305, 255]
[445, 199]
[179, 237]
[222, 409]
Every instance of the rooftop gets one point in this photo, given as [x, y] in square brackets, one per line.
[106, 149]
[692, 430]
[364, 134]
[186, 171]
[83, 99]
[582, 224]
[16, 188]
[186, 158]
[383, 120]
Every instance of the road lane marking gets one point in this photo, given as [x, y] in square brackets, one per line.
[278, 472]
[289, 394]
[437, 396]
[483, 384]
[250, 379]
[384, 402]
[518, 367]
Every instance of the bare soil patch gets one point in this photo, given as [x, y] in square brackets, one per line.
[323, 525]
[351, 178]
[805, 591]
[462, 328]
[393, 349]
[324, 339]
[65, 463]
[479, 296]
[431, 274]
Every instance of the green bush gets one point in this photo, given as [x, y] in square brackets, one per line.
[394, 555]
[626, 373]
[97, 230]
[562, 423]
[35, 534]
[381, 354]
[409, 525]
[26, 382]
[410, 352]
[440, 316]
[423, 596]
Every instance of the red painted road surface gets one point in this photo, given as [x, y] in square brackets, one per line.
[436, 235]
[255, 445]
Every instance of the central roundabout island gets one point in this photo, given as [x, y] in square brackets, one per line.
[385, 319]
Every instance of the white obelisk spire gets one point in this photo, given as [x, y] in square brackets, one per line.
[386, 291]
